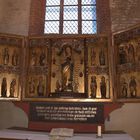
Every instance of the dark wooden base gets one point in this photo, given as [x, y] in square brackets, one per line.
[78, 127]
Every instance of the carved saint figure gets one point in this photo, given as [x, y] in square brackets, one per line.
[40, 87]
[32, 87]
[42, 58]
[102, 57]
[33, 58]
[122, 56]
[67, 70]
[5, 56]
[124, 87]
[131, 53]
[4, 87]
[93, 87]
[93, 57]
[12, 88]
[103, 87]
[133, 87]
[15, 58]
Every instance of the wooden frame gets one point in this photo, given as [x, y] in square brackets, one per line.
[11, 64]
[39, 71]
[127, 61]
[36, 42]
[36, 68]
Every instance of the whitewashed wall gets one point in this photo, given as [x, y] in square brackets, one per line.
[14, 16]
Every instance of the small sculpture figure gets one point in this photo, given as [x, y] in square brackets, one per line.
[40, 87]
[42, 58]
[133, 87]
[32, 87]
[15, 58]
[102, 57]
[5, 56]
[93, 86]
[4, 87]
[33, 58]
[93, 57]
[103, 87]
[67, 70]
[122, 56]
[124, 87]
[131, 53]
[12, 88]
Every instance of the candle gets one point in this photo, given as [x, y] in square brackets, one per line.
[99, 131]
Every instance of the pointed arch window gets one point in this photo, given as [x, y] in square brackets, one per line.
[70, 17]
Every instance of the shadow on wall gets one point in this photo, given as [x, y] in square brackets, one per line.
[126, 119]
[12, 116]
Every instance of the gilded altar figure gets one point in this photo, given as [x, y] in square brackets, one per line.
[122, 55]
[133, 87]
[15, 58]
[32, 87]
[102, 57]
[93, 87]
[4, 87]
[40, 87]
[124, 87]
[33, 58]
[67, 70]
[42, 58]
[131, 53]
[103, 87]
[93, 57]
[5, 56]
[12, 88]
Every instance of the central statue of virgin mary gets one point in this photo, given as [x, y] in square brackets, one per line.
[67, 70]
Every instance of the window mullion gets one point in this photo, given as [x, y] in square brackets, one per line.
[61, 16]
[79, 17]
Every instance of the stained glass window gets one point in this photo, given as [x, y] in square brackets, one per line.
[70, 17]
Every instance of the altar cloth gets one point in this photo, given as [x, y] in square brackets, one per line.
[35, 135]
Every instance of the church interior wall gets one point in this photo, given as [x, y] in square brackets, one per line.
[15, 19]
[14, 16]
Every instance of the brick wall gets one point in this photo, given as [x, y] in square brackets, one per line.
[14, 16]
[27, 16]
[37, 16]
[124, 13]
[103, 16]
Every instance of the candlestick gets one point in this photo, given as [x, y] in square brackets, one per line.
[99, 131]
